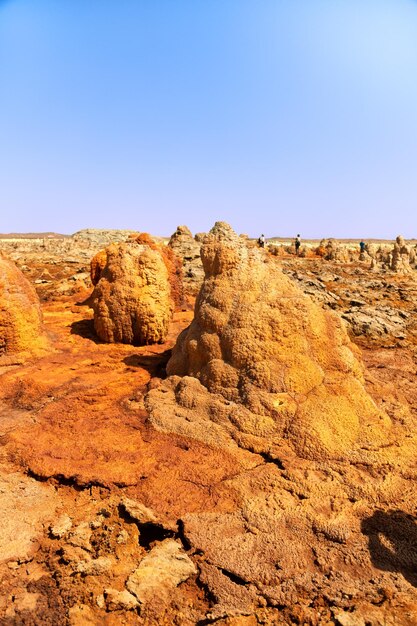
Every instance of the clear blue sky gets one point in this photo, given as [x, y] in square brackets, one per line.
[278, 116]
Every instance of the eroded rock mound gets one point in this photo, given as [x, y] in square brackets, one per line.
[186, 247]
[133, 300]
[263, 363]
[21, 329]
[97, 265]
[332, 250]
[400, 256]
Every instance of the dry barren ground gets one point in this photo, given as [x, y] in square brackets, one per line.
[105, 520]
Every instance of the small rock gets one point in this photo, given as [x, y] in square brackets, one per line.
[119, 600]
[139, 512]
[80, 537]
[73, 554]
[122, 537]
[97, 523]
[61, 527]
[343, 618]
[163, 569]
[94, 567]
[100, 601]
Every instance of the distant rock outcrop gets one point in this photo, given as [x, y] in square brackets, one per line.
[188, 249]
[263, 363]
[400, 256]
[136, 292]
[21, 329]
[100, 236]
[332, 250]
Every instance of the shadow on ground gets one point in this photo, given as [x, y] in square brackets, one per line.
[85, 329]
[392, 537]
[155, 364]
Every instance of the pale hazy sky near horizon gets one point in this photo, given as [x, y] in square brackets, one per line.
[278, 116]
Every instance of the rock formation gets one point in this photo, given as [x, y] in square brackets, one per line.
[188, 249]
[172, 262]
[400, 258]
[130, 523]
[100, 237]
[21, 328]
[133, 300]
[400, 261]
[332, 250]
[263, 363]
[97, 265]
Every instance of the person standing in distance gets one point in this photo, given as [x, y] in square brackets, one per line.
[297, 244]
[261, 241]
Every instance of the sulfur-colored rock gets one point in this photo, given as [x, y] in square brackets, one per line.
[183, 241]
[400, 261]
[332, 250]
[143, 515]
[60, 528]
[80, 536]
[21, 327]
[399, 258]
[119, 600]
[187, 248]
[163, 569]
[277, 367]
[94, 567]
[132, 301]
[25, 506]
[275, 537]
[97, 265]
[172, 261]
[139, 511]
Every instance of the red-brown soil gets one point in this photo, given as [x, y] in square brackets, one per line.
[80, 424]
[286, 541]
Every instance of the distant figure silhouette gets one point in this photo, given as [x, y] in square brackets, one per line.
[362, 246]
[297, 244]
[261, 241]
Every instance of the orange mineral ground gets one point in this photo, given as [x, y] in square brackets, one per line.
[129, 496]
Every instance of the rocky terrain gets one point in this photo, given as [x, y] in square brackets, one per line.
[257, 467]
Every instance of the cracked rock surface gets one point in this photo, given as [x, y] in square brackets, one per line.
[132, 498]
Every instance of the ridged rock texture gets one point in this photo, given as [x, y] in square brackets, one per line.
[21, 329]
[400, 259]
[267, 364]
[97, 265]
[187, 248]
[276, 539]
[137, 289]
[331, 250]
